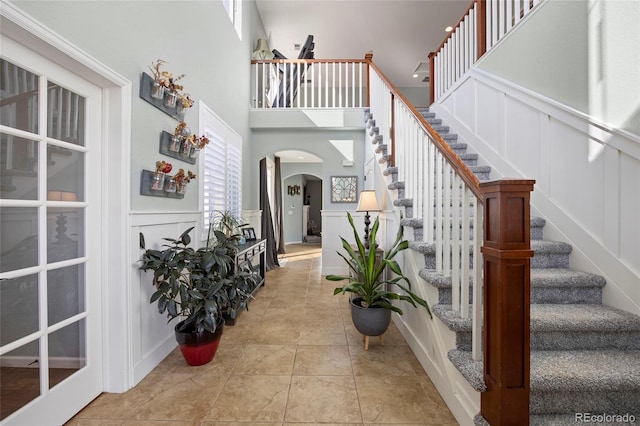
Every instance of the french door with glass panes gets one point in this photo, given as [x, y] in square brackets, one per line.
[50, 248]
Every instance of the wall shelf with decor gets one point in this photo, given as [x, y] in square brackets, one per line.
[157, 184]
[148, 93]
[177, 147]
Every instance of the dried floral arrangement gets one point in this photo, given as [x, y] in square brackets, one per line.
[181, 177]
[185, 100]
[198, 142]
[163, 167]
[165, 78]
[180, 128]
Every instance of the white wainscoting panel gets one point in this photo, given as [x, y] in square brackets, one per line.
[152, 339]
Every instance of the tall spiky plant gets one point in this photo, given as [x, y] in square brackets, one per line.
[367, 279]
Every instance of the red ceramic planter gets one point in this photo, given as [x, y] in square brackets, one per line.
[199, 348]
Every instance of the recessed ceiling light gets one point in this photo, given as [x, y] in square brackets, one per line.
[301, 157]
[415, 75]
[448, 29]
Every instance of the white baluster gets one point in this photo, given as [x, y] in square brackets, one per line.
[455, 242]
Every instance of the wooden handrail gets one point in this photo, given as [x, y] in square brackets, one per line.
[460, 167]
[305, 61]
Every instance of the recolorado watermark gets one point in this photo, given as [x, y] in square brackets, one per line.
[604, 418]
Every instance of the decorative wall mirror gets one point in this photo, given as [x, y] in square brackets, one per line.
[344, 189]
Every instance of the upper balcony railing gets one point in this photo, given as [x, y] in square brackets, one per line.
[309, 83]
[484, 24]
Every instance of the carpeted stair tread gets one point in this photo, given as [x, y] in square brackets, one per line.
[396, 185]
[549, 246]
[470, 369]
[566, 371]
[403, 202]
[534, 222]
[538, 246]
[580, 370]
[390, 171]
[540, 277]
[557, 317]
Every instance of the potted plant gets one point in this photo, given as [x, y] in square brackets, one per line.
[198, 286]
[227, 222]
[371, 304]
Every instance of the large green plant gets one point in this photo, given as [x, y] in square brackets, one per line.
[367, 279]
[200, 286]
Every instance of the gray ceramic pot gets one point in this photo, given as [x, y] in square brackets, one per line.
[369, 321]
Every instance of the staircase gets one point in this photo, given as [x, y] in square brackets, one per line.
[585, 356]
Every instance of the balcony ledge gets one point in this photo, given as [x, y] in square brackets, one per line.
[307, 118]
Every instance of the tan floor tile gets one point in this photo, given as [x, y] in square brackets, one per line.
[323, 399]
[129, 422]
[154, 398]
[266, 360]
[239, 424]
[251, 399]
[403, 401]
[323, 424]
[275, 334]
[322, 335]
[384, 360]
[322, 361]
[250, 382]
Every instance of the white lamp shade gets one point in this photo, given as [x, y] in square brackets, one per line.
[368, 202]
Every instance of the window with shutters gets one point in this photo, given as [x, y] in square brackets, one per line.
[221, 168]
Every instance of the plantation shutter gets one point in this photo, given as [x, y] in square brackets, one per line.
[222, 170]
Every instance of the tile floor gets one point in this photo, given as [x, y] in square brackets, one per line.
[293, 358]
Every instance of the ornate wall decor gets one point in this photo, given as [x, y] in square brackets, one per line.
[344, 189]
[293, 189]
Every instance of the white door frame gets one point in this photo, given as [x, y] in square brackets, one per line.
[115, 194]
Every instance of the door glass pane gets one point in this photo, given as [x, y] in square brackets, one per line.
[18, 97]
[65, 292]
[67, 352]
[65, 233]
[65, 115]
[19, 166]
[19, 378]
[65, 174]
[18, 308]
[19, 238]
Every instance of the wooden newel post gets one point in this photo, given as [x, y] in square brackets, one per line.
[432, 77]
[368, 57]
[507, 266]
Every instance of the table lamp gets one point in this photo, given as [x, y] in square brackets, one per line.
[367, 203]
[61, 220]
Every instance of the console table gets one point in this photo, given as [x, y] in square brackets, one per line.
[253, 253]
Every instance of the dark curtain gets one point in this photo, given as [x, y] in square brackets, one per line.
[271, 251]
[277, 206]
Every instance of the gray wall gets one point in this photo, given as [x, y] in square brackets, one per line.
[548, 54]
[581, 53]
[195, 38]
[292, 209]
[316, 142]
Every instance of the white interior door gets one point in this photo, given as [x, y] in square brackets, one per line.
[50, 281]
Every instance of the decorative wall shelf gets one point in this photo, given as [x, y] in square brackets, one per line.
[147, 182]
[146, 82]
[165, 141]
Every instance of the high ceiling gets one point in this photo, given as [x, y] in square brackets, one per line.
[400, 33]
